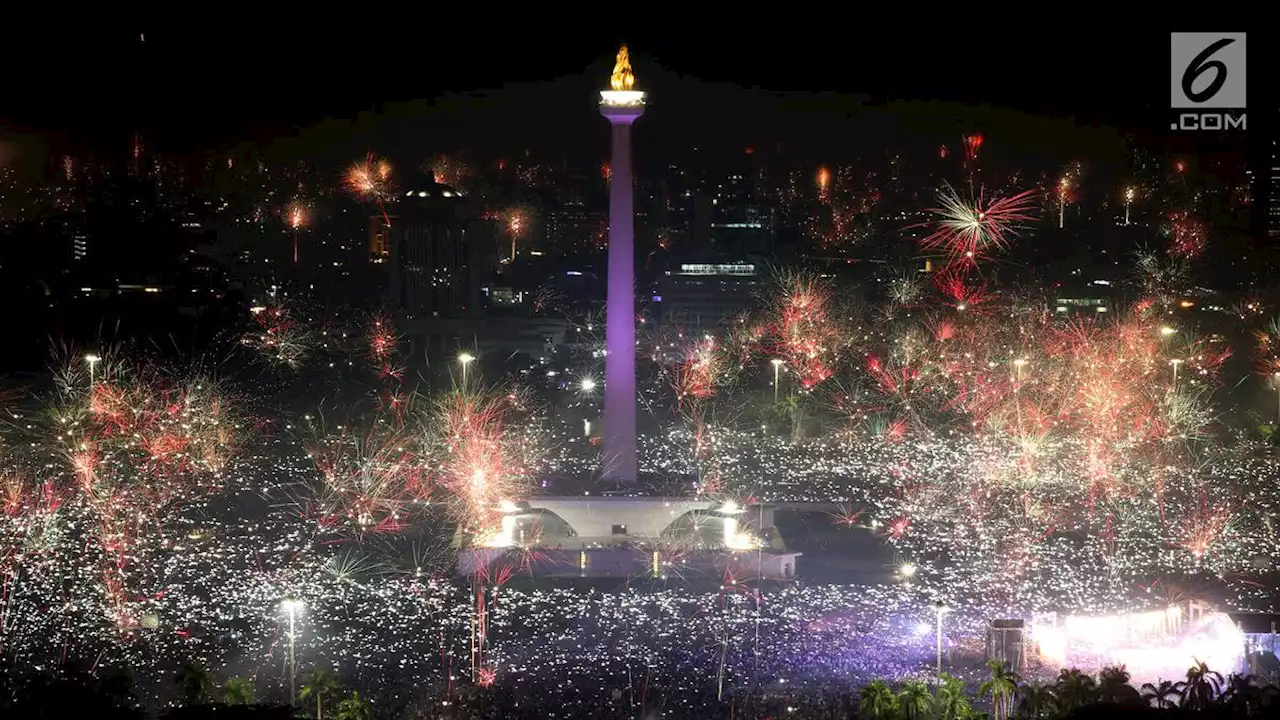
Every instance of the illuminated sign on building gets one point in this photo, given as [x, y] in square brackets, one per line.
[702, 269]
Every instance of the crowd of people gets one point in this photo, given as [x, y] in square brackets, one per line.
[389, 614]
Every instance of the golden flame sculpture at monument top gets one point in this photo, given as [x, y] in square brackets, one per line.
[622, 78]
[622, 84]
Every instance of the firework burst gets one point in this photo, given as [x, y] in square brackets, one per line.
[370, 180]
[966, 231]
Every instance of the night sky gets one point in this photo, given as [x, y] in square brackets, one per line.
[337, 88]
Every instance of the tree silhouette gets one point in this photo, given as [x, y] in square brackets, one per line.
[71, 692]
[195, 684]
[1242, 696]
[950, 701]
[321, 684]
[1002, 687]
[1074, 689]
[238, 691]
[877, 701]
[915, 700]
[116, 688]
[1162, 695]
[1036, 701]
[1202, 686]
[353, 708]
[1114, 687]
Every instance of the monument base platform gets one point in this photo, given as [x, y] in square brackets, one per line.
[624, 562]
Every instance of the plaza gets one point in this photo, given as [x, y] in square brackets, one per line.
[587, 536]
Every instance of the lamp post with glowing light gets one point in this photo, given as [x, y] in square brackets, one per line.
[292, 607]
[1018, 364]
[1276, 380]
[466, 359]
[588, 386]
[622, 104]
[940, 609]
[777, 366]
[93, 361]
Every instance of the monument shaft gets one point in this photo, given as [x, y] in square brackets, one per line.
[620, 313]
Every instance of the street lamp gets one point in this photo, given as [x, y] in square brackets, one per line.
[93, 361]
[1276, 378]
[940, 608]
[1018, 364]
[777, 367]
[465, 358]
[292, 607]
[1175, 363]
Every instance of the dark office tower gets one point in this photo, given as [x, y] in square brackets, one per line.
[435, 252]
[379, 239]
[1273, 192]
[703, 210]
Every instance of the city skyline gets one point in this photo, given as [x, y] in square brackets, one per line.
[1047, 76]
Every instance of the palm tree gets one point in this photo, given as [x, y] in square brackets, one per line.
[1202, 686]
[877, 701]
[1036, 701]
[117, 689]
[1001, 688]
[915, 700]
[1162, 695]
[195, 684]
[321, 684]
[1114, 687]
[1074, 690]
[950, 701]
[353, 708]
[238, 691]
[793, 408]
[1269, 696]
[1242, 695]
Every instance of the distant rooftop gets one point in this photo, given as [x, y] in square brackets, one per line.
[432, 190]
[735, 269]
[428, 200]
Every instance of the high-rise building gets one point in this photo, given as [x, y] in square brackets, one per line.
[435, 254]
[1273, 192]
[705, 297]
[621, 105]
[379, 239]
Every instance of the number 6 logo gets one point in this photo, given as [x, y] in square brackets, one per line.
[1207, 70]
[1201, 65]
